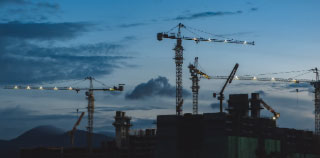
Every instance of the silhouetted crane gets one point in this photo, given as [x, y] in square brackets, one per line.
[229, 80]
[179, 54]
[71, 133]
[196, 74]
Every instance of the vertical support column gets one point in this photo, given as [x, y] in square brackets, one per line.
[317, 106]
[179, 61]
[90, 107]
[195, 91]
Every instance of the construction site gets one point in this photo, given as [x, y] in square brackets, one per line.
[238, 131]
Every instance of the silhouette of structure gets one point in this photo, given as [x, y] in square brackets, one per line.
[179, 54]
[196, 74]
[235, 134]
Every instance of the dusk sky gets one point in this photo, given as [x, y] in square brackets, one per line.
[60, 42]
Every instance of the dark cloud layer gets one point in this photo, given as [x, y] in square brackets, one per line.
[46, 31]
[127, 108]
[131, 25]
[24, 61]
[27, 10]
[24, 3]
[206, 14]
[154, 87]
[28, 63]
[19, 2]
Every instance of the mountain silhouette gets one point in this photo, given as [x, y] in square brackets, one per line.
[47, 136]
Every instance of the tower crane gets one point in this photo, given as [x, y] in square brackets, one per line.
[71, 133]
[315, 83]
[229, 80]
[179, 54]
[196, 74]
[89, 95]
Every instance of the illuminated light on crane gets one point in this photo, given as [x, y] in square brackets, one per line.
[28, 88]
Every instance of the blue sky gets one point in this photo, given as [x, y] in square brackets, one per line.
[57, 42]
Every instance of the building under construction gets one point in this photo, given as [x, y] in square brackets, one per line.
[238, 133]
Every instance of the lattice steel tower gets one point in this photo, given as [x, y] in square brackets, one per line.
[179, 61]
[316, 85]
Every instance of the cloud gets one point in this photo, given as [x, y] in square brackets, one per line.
[23, 10]
[131, 25]
[28, 63]
[24, 3]
[47, 5]
[139, 123]
[17, 2]
[127, 108]
[205, 14]
[154, 87]
[42, 31]
[253, 9]
[24, 61]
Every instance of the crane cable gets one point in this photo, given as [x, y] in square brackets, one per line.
[208, 33]
[101, 83]
[172, 29]
[276, 73]
[193, 33]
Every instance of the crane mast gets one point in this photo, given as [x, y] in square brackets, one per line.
[90, 107]
[179, 56]
[179, 61]
[196, 74]
[316, 85]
